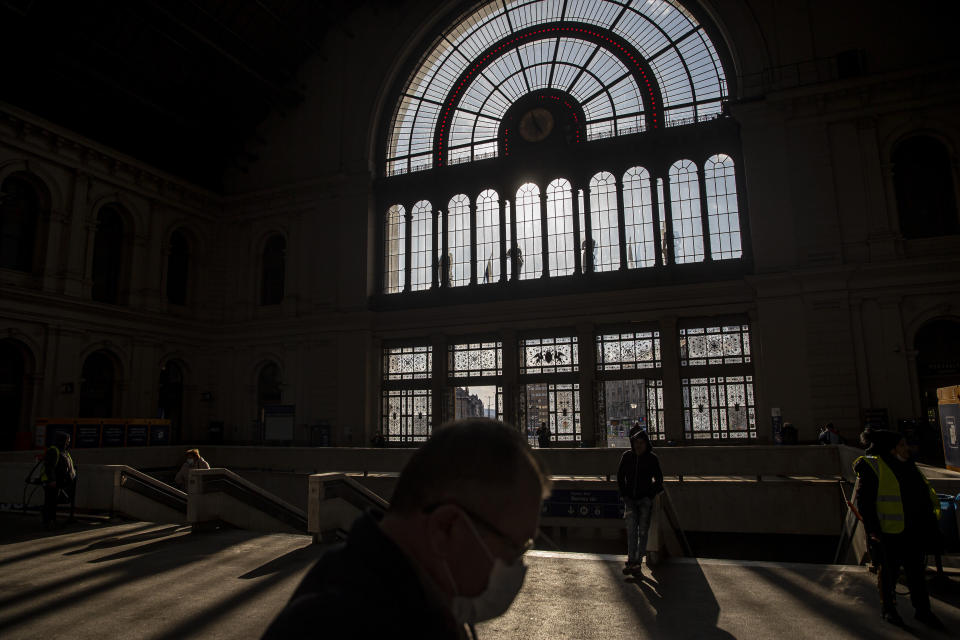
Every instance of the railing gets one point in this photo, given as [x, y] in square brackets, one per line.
[153, 489]
[204, 482]
[334, 502]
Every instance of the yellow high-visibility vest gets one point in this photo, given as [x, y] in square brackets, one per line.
[889, 503]
[43, 476]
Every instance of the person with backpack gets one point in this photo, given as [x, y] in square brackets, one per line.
[900, 511]
[59, 477]
[639, 479]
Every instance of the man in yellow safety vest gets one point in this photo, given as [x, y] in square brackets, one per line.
[900, 511]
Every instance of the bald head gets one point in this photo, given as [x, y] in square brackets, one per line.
[473, 461]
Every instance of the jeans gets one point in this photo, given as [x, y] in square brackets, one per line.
[636, 513]
[902, 550]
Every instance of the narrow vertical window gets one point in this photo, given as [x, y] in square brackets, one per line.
[605, 226]
[560, 228]
[638, 218]
[458, 240]
[488, 237]
[274, 271]
[722, 210]
[422, 248]
[529, 244]
[395, 249]
[687, 221]
[108, 255]
[178, 268]
[19, 214]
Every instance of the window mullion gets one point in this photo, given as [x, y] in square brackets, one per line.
[544, 236]
[588, 228]
[578, 243]
[621, 220]
[670, 258]
[704, 217]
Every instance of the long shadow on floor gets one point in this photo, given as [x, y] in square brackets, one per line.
[682, 598]
[292, 561]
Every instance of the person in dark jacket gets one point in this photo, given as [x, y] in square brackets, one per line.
[59, 479]
[447, 554]
[900, 511]
[639, 479]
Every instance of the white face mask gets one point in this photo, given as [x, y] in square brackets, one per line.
[502, 588]
[900, 457]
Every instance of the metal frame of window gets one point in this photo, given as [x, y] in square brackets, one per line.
[475, 362]
[627, 354]
[717, 384]
[406, 392]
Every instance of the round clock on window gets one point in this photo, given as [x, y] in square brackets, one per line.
[536, 124]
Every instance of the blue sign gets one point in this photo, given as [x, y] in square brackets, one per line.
[159, 434]
[593, 503]
[113, 435]
[88, 435]
[137, 435]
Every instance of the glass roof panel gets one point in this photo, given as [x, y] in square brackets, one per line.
[663, 31]
[598, 108]
[461, 131]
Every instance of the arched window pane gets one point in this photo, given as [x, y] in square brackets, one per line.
[19, 211]
[560, 227]
[97, 385]
[605, 227]
[722, 210]
[529, 242]
[395, 249]
[422, 252]
[178, 268]
[638, 218]
[685, 203]
[488, 237]
[926, 198]
[274, 271]
[458, 240]
[107, 256]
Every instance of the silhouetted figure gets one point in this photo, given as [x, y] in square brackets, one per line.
[639, 479]
[59, 480]
[900, 511]
[543, 436]
[448, 552]
[378, 440]
[830, 435]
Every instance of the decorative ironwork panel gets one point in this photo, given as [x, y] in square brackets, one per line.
[549, 355]
[395, 249]
[719, 408]
[722, 209]
[687, 219]
[475, 359]
[564, 412]
[407, 363]
[406, 415]
[718, 345]
[620, 351]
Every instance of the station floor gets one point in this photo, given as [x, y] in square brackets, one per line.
[108, 579]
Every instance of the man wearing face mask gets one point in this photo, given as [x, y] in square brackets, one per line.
[900, 511]
[447, 554]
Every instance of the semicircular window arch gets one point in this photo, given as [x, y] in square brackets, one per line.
[629, 65]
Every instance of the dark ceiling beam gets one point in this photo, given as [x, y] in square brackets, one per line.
[287, 94]
[310, 44]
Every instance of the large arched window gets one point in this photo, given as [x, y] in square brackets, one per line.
[108, 255]
[273, 270]
[558, 141]
[178, 267]
[97, 386]
[19, 219]
[923, 180]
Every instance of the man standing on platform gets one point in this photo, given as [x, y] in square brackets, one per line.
[639, 479]
[447, 554]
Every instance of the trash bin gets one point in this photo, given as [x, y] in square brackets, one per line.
[948, 521]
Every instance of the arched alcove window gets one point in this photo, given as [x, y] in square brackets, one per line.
[170, 396]
[108, 255]
[421, 225]
[606, 235]
[926, 195]
[19, 219]
[13, 368]
[604, 95]
[268, 386]
[488, 237]
[274, 270]
[687, 218]
[97, 386]
[178, 268]
[528, 246]
[458, 240]
[560, 237]
[638, 218]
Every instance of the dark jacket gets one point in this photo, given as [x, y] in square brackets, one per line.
[367, 588]
[639, 476]
[919, 518]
